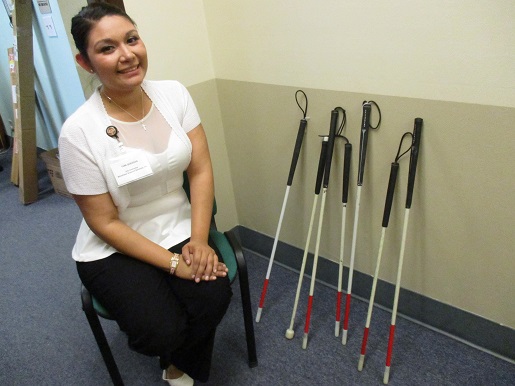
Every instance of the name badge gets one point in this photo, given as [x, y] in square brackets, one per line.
[130, 167]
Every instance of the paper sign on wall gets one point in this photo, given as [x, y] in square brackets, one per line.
[49, 26]
[12, 63]
[44, 6]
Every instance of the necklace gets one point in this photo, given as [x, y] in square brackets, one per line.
[132, 116]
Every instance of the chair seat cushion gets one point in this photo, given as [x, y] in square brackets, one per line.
[99, 308]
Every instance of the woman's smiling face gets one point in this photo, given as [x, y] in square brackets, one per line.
[116, 54]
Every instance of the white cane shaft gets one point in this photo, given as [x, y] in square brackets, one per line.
[305, 341]
[354, 240]
[351, 265]
[342, 248]
[340, 272]
[344, 337]
[258, 314]
[317, 245]
[374, 282]
[386, 376]
[304, 258]
[314, 270]
[286, 194]
[361, 362]
[399, 269]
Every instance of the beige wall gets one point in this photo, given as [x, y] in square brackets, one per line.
[175, 35]
[206, 99]
[450, 63]
[444, 50]
[460, 242]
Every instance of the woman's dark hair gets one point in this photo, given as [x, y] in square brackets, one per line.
[83, 22]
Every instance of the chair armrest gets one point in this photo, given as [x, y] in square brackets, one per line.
[91, 305]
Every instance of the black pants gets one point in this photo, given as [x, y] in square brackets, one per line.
[164, 316]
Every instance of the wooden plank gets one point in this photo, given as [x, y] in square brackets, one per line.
[25, 121]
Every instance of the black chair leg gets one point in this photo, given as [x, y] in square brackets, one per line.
[245, 298]
[98, 332]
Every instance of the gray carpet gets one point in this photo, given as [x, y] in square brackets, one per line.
[45, 339]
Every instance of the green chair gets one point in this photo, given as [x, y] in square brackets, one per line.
[232, 255]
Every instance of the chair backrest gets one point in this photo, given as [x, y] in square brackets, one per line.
[186, 187]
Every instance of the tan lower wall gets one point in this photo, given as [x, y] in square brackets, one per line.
[460, 243]
[206, 100]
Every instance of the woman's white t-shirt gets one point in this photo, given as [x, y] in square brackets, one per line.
[158, 207]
